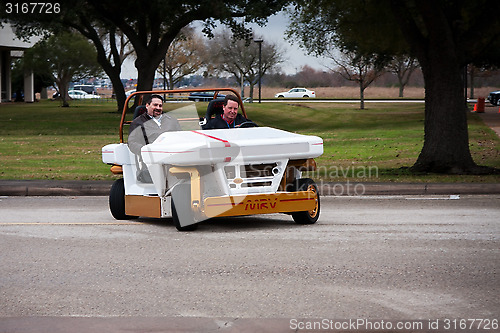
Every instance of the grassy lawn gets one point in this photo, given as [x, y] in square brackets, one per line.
[45, 141]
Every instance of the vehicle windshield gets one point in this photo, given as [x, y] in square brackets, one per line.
[177, 103]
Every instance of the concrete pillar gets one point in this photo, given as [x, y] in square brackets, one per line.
[5, 77]
[29, 90]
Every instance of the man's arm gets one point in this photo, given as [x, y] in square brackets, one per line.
[136, 139]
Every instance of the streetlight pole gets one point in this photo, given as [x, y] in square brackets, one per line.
[259, 41]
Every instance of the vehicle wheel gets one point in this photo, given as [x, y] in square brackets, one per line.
[181, 194]
[307, 217]
[117, 201]
[305, 96]
[281, 96]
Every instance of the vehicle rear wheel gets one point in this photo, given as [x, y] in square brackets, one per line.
[117, 201]
[311, 216]
[181, 194]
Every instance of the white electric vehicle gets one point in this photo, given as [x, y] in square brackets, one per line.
[198, 174]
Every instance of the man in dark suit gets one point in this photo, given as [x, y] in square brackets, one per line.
[230, 118]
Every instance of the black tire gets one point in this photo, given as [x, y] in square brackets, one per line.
[307, 217]
[182, 195]
[117, 201]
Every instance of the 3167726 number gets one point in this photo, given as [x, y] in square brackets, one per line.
[32, 8]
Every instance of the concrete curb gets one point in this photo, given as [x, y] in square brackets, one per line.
[101, 188]
[357, 189]
[54, 187]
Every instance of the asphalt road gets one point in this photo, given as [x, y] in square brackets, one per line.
[66, 263]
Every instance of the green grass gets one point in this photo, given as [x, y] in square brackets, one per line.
[45, 141]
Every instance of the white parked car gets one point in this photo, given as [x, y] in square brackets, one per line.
[80, 94]
[130, 92]
[198, 174]
[296, 93]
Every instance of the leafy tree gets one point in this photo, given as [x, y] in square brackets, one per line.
[110, 44]
[65, 57]
[443, 35]
[241, 58]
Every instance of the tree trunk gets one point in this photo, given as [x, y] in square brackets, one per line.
[113, 73]
[401, 89]
[145, 74]
[63, 85]
[446, 141]
[361, 95]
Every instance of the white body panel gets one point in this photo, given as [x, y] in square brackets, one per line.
[225, 145]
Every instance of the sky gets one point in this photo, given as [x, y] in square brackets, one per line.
[273, 32]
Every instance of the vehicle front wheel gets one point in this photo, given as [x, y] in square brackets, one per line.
[311, 216]
[117, 201]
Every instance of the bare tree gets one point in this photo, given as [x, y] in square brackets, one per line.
[186, 55]
[475, 72]
[403, 67]
[361, 69]
[241, 58]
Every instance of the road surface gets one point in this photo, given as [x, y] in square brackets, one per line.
[380, 258]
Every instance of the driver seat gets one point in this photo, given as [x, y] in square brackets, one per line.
[140, 109]
[214, 108]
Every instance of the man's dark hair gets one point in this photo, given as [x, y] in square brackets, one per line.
[150, 98]
[232, 98]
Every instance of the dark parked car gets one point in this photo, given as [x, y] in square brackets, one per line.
[89, 89]
[494, 97]
[203, 96]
